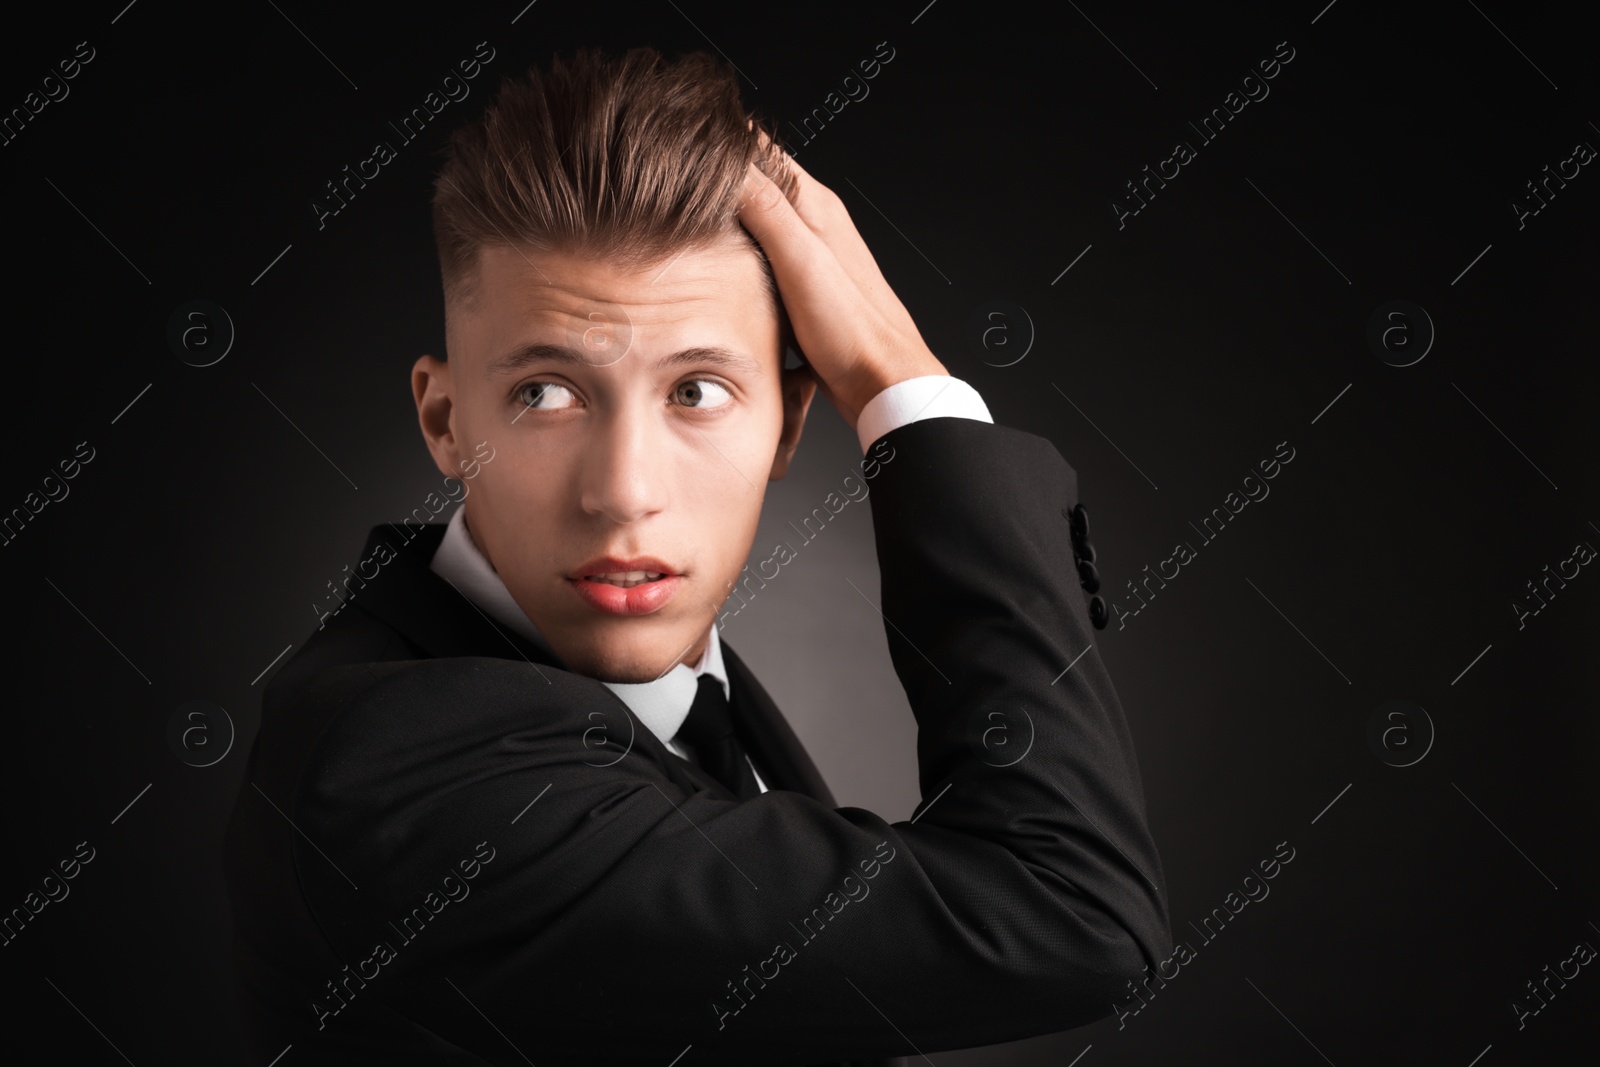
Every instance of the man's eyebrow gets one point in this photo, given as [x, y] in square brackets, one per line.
[543, 352]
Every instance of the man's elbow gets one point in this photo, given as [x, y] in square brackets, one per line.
[1141, 952]
[1148, 931]
[1137, 957]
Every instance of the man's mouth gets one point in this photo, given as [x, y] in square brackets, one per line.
[637, 585]
[625, 579]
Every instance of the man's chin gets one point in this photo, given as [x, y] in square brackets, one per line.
[629, 675]
[628, 663]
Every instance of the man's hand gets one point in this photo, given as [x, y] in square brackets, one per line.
[853, 331]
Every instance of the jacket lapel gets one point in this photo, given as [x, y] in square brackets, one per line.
[429, 612]
[767, 735]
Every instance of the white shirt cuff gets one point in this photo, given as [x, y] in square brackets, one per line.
[930, 396]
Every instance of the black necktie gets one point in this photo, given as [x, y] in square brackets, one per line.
[709, 728]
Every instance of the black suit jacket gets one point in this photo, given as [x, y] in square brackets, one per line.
[450, 849]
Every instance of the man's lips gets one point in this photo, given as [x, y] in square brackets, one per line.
[631, 567]
[636, 585]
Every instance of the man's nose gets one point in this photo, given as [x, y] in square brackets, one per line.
[624, 467]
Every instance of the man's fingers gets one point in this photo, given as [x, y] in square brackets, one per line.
[759, 190]
[824, 211]
[789, 243]
[857, 335]
[815, 203]
[804, 267]
[827, 311]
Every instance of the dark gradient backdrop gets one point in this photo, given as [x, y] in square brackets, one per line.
[1165, 352]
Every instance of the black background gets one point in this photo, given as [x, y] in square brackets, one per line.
[983, 162]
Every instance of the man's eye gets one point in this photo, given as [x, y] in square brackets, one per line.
[545, 395]
[702, 393]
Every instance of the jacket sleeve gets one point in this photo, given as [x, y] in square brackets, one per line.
[484, 865]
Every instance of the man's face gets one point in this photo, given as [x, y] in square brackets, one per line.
[632, 413]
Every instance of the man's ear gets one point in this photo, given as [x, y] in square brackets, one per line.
[799, 388]
[430, 388]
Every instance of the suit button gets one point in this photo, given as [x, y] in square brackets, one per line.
[1088, 576]
[1084, 551]
[1097, 612]
[1079, 517]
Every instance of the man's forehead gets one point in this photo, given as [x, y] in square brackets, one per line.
[526, 302]
[527, 280]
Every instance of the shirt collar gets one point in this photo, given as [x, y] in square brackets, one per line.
[662, 705]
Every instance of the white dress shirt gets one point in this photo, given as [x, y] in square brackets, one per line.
[663, 704]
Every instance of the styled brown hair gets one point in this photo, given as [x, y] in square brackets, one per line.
[630, 159]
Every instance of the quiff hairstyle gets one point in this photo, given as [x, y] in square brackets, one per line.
[631, 159]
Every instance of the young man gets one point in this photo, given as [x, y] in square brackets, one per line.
[518, 803]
